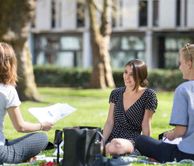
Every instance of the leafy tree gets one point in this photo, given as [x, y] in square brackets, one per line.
[16, 16]
[100, 37]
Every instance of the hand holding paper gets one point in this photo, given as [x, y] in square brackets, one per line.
[52, 113]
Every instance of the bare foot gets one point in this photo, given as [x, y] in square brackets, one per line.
[32, 159]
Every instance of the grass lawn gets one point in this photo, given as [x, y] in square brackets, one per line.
[92, 109]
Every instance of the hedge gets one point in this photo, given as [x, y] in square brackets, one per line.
[55, 76]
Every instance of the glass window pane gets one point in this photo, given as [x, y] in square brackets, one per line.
[70, 43]
[178, 13]
[40, 59]
[65, 59]
[115, 43]
[78, 60]
[171, 60]
[132, 42]
[140, 44]
[141, 55]
[41, 43]
[80, 13]
[155, 12]
[143, 12]
[171, 44]
[119, 58]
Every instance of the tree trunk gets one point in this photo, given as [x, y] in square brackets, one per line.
[26, 87]
[15, 22]
[100, 36]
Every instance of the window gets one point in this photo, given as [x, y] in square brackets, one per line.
[185, 14]
[53, 14]
[64, 51]
[124, 48]
[71, 49]
[178, 13]
[80, 13]
[155, 12]
[143, 13]
[171, 53]
[116, 13]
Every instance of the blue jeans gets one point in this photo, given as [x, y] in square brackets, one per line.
[160, 151]
[23, 148]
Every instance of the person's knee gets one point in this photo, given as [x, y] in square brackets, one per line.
[43, 139]
[110, 148]
[119, 146]
[116, 142]
[139, 141]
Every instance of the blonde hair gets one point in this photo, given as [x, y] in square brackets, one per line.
[188, 52]
[8, 64]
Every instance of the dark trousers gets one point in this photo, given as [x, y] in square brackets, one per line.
[160, 151]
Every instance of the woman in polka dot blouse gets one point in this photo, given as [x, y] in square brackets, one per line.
[130, 111]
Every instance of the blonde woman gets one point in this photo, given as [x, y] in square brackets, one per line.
[182, 118]
[20, 149]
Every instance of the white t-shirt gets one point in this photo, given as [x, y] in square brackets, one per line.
[8, 98]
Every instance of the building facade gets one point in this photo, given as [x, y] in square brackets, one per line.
[151, 30]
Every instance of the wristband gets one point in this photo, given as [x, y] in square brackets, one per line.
[41, 126]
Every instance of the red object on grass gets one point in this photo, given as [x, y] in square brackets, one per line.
[50, 163]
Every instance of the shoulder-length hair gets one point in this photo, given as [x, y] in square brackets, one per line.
[8, 64]
[140, 72]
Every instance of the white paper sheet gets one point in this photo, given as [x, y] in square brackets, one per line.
[174, 141]
[52, 113]
[45, 158]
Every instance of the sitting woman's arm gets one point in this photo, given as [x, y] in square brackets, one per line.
[109, 122]
[146, 123]
[178, 131]
[22, 126]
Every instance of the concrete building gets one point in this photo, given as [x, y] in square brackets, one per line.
[151, 30]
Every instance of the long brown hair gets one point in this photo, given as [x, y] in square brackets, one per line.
[140, 73]
[8, 64]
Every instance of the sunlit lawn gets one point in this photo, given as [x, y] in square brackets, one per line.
[92, 108]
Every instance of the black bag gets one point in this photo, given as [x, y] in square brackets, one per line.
[81, 145]
[57, 141]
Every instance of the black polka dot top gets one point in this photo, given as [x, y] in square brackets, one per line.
[127, 124]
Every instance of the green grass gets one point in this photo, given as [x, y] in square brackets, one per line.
[91, 105]
[92, 109]
[162, 116]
